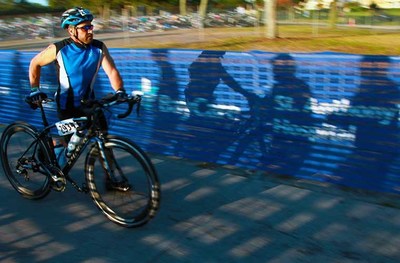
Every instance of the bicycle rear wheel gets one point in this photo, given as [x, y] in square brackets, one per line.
[23, 156]
[138, 204]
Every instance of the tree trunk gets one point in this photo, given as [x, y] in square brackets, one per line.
[202, 13]
[333, 14]
[203, 9]
[182, 7]
[270, 18]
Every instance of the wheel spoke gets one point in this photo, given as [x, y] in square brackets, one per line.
[19, 160]
[133, 207]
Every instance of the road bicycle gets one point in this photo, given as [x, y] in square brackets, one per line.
[31, 165]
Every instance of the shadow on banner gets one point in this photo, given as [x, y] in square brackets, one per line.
[211, 132]
[325, 117]
[290, 117]
[373, 115]
[166, 121]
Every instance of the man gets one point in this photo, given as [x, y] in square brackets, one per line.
[78, 59]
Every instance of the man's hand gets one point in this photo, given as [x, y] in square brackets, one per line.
[35, 97]
[121, 94]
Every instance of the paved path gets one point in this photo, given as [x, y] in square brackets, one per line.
[208, 214]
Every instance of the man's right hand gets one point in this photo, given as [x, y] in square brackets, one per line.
[35, 97]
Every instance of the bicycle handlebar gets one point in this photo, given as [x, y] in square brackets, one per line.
[113, 99]
[108, 101]
[97, 105]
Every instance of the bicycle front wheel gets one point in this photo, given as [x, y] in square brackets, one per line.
[132, 206]
[23, 157]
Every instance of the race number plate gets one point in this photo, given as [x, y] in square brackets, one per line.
[66, 127]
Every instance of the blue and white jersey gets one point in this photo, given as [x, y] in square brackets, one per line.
[77, 66]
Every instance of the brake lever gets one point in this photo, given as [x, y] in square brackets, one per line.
[131, 103]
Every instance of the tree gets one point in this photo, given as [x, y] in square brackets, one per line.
[13, 7]
[182, 7]
[270, 18]
[333, 14]
[203, 8]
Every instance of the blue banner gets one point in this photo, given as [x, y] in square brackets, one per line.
[327, 117]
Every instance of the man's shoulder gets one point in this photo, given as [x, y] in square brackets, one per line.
[97, 43]
[62, 43]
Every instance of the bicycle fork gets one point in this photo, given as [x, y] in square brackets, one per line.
[109, 163]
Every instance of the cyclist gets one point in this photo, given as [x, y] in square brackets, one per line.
[78, 59]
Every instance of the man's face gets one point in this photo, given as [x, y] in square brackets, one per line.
[84, 32]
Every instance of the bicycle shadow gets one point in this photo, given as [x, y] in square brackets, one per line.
[209, 131]
[280, 124]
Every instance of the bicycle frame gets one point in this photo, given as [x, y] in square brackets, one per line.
[119, 176]
[93, 134]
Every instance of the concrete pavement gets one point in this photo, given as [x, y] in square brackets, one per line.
[209, 213]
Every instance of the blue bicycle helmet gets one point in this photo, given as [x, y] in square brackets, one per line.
[75, 16]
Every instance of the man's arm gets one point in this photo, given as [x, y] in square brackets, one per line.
[111, 70]
[42, 59]
[233, 84]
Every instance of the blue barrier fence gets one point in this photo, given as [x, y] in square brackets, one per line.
[322, 116]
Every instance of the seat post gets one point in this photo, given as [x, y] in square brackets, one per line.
[44, 118]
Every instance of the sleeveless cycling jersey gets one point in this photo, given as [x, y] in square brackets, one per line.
[77, 68]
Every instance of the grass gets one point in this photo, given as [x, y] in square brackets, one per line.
[291, 38]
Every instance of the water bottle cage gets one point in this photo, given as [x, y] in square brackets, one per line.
[73, 142]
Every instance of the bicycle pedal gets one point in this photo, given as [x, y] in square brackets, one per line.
[58, 184]
[122, 186]
[58, 181]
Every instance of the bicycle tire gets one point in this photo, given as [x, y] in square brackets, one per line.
[31, 182]
[136, 206]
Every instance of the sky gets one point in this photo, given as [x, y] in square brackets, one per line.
[42, 2]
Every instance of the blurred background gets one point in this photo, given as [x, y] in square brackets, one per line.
[39, 19]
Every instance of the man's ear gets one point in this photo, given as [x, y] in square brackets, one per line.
[71, 30]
